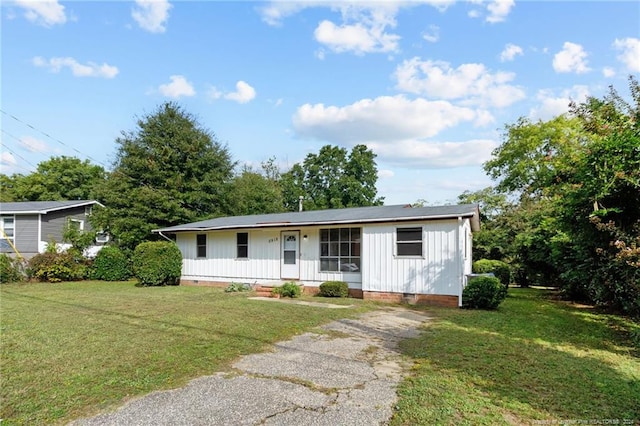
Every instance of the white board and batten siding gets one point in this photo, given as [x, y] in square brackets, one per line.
[445, 260]
[440, 269]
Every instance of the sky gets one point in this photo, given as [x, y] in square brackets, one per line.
[428, 85]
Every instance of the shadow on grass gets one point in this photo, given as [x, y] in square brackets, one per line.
[532, 358]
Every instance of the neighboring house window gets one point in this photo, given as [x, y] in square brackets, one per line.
[8, 227]
[201, 244]
[88, 210]
[102, 237]
[409, 241]
[243, 244]
[340, 249]
[76, 224]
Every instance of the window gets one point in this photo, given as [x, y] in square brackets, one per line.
[201, 244]
[243, 245]
[102, 237]
[340, 250]
[76, 224]
[409, 241]
[8, 227]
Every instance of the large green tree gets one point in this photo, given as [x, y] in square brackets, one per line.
[169, 170]
[578, 182]
[58, 178]
[256, 191]
[333, 178]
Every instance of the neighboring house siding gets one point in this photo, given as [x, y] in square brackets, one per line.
[27, 234]
[438, 271]
[53, 223]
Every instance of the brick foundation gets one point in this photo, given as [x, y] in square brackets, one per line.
[418, 299]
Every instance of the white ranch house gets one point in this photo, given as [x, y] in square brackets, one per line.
[396, 253]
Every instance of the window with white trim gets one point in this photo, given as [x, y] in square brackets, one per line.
[409, 241]
[201, 245]
[7, 224]
[77, 224]
[340, 249]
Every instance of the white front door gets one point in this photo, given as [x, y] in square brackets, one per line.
[290, 258]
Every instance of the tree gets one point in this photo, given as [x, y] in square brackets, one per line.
[578, 179]
[255, 192]
[333, 178]
[168, 171]
[59, 178]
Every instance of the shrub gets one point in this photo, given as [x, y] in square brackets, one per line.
[500, 269]
[237, 287]
[111, 264]
[289, 289]
[334, 289]
[11, 269]
[483, 293]
[157, 263]
[56, 267]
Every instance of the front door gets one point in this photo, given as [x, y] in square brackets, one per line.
[290, 259]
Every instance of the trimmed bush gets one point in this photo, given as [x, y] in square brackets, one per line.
[483, 293]
[289, 289]
[111, 264]
[10, 269]
[157, 263]
[334, 289]
[500, 269]
[56, 267]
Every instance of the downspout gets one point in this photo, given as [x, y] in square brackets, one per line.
[165, 237]
[460, 260]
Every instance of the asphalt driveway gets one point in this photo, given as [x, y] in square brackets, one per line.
[345, 373]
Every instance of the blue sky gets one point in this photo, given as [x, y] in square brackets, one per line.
[427, 85]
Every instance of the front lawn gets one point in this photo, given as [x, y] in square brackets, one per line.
[534, 361]
[73, 349]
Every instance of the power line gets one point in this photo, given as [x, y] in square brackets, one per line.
[15, 153]
[51, 137]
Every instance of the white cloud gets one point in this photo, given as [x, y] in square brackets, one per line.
[43, 12]
[433, 35]
[178, 87]
[90, 69]
[151, 15]
[572, 58]
[472, 83]
[243, 94]
[32, 144]
[553, 104]
[7, 159]
[608, 72]
[435, 155]
[510, 52]
[357, 38]
[630, 52]
[384, 119]
[499, 10]
[385, 174]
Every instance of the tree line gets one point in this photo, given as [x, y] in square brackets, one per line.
[564, 210]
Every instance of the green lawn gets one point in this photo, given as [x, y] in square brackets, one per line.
[73, 349]
[534, 361]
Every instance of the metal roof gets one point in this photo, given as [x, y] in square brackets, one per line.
[42, 207]
[395, 213]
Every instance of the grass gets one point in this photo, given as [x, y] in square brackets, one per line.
[73, 349]
[534, 361]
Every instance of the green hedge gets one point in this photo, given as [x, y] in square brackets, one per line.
[111, 264]
[483, 293]
[10, 269]
[157, 263]
[500, 269]
[56, 267]
[334, 289]
[289, 289]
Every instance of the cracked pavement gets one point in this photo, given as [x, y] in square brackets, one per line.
[345, 373]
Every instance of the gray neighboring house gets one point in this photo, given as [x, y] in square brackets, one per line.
[30, 225]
